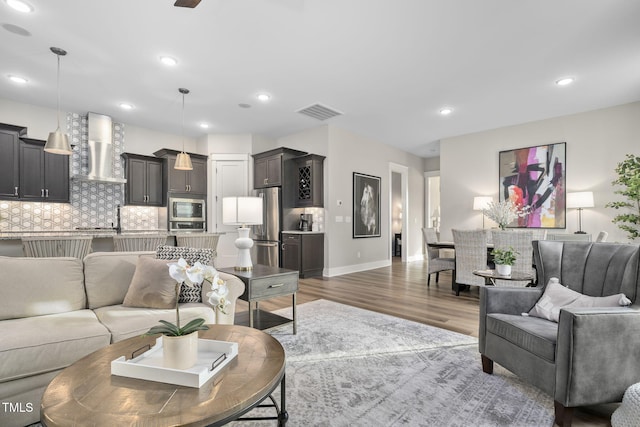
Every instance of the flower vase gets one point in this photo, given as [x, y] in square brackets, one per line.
[503, 270]
[180, 352]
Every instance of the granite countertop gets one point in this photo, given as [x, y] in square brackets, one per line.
[302, 232]
[96, 233]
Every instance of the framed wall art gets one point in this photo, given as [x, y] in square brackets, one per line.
[366, 205]
[536, 177]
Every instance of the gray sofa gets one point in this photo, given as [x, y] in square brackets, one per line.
[54, 311]
[591, 356]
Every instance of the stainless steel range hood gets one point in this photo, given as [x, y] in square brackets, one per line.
[100, 144]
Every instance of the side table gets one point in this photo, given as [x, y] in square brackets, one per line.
[493, 275]
[262, 283]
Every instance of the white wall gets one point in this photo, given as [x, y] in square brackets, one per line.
[596, 142]
[350, 153]
[39, 120]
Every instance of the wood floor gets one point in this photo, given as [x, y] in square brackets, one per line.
[401, 290]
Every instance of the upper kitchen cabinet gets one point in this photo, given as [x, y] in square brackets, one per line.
[269, 167]
[144, 180]
[9, 155]
[180, 181]
[307, 185]
[44, 177]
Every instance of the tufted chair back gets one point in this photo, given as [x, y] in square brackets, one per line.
[599, 269]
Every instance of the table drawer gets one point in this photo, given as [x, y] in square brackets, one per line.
[268, 287]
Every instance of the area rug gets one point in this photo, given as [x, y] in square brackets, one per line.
[352, 367]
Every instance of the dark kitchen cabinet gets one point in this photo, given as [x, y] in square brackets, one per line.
[9, 163]
[144, 180]
[180, 181]
[268, 167]
[303, 252]
[44, 177]
[307, 182]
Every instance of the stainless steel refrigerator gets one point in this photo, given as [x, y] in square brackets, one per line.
[266, 237]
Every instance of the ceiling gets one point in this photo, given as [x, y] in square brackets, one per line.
[387, 66]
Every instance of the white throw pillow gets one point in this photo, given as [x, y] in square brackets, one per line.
[556, 296]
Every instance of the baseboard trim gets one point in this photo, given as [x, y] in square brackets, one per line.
[339, 271]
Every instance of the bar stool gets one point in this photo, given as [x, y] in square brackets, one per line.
[72, 246]
[207, 241]
[144, 242]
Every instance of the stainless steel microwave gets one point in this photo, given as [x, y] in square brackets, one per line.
[181, 209]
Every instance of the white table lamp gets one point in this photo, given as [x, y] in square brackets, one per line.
[481, 203]
[242, 211]
[580, 200]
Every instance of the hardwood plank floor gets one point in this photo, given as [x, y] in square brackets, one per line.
[401, 290]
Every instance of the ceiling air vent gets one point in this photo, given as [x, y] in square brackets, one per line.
[319, 111]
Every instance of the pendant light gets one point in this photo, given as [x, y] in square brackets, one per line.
[183, 161]
[58, 142]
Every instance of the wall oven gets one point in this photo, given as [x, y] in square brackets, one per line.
[187, 214]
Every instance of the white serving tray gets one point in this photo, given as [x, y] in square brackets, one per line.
[149, 365]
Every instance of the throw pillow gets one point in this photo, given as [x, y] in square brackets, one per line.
[151, 285]
[556, 296]
[191, 255]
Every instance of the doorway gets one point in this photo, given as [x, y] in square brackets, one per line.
[398, 211]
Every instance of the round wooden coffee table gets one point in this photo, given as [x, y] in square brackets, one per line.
[86, 393]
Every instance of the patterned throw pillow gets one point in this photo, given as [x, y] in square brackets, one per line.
[191, 255]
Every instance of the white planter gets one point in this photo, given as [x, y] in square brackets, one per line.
[503, 270]
[180, 352]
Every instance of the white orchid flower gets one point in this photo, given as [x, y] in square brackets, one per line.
[178, 271]
[218, 294]
[196, 273]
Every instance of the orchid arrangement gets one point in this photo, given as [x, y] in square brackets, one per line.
[505, 212]
[182, 272]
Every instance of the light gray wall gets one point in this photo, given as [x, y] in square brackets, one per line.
[596, 142]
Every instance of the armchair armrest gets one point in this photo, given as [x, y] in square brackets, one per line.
[236, 288]
[597, 355]
[504, 300]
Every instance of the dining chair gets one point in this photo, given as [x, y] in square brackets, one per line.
[538, 233]
[143, 242]
[435, 263]
[63, 246]
[521, 242]
[602, 236]
[567, 237]
[471, 254]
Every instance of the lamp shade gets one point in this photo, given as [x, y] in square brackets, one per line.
[481, 202]
[582, 199]
[183, 162]
[58, 143]
[242, 210]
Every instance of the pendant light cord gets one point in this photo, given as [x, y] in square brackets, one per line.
[58, 88]
[182, 130]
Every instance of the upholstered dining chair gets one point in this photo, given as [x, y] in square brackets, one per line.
[602, 236]
[471, 254]
[520, 241]
[435, 263]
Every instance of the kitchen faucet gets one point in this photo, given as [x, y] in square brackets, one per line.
[118, 226]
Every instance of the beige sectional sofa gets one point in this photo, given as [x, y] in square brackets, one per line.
[54, 311]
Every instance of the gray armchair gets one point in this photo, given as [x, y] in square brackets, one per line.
[591, 355]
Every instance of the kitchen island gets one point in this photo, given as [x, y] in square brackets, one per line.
[11, 241]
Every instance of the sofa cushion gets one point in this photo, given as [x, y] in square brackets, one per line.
[40, 344]
[191, 255]
[126, 322]
[535, 335]
[107, 276]
[151, 286]
[40, 286]
[556, 297]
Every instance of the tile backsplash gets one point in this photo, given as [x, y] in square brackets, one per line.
[92, 204]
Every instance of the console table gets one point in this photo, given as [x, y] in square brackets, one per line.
[262, 283]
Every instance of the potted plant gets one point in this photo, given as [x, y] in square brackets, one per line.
[504, 259]
[505, 212]
[180, 343]
[629, 177]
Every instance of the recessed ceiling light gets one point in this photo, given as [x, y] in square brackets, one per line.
[167, 60]
[126, 106]
[446, 111]
[20, 6]
[565, 81]
[18, 79]
[264, 97]
[204, 125]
